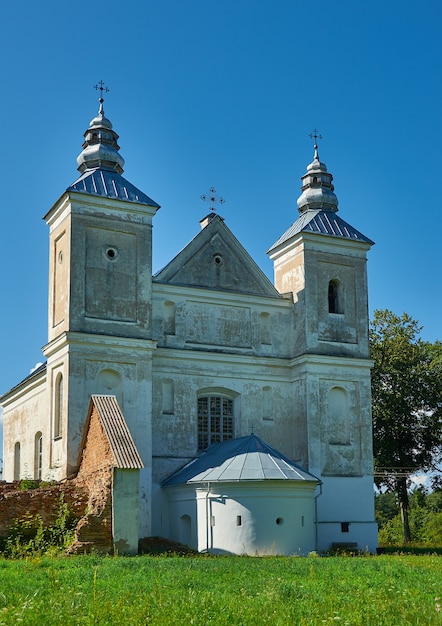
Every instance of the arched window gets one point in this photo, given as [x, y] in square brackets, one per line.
[17, 461]
[38, 455]
[334, 304]
[215, 420]
[58, 408]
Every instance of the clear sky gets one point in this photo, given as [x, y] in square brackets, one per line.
[225, 93]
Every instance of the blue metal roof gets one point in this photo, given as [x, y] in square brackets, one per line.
[38, 370]
[110, 184]
[243, 459]
[321, 222]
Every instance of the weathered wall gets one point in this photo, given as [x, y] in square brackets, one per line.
[24, 415]
[89, 496]
[94, 530]
[15, 503]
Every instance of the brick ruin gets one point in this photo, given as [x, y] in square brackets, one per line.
[88, 498]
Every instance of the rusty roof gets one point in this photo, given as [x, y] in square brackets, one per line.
[124, 450]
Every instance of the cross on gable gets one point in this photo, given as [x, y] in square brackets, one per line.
[211, 197]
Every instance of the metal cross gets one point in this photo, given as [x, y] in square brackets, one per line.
[315, 135]
[100, 86]
[211, 197]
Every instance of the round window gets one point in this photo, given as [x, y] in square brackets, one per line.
[218, 259]
[111, 253]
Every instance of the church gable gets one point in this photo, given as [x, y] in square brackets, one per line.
[216, 260]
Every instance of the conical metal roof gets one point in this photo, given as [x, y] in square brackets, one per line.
[243, 459]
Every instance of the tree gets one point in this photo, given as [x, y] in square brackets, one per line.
[407, 404]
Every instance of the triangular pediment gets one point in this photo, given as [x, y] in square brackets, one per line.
[216, 260]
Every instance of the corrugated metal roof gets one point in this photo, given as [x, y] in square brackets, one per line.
[321, 222]
[125, 452]
[243, 459]
[103, 182]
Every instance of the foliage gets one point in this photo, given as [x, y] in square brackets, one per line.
[407, 403]
[221, 591]
[29, 536]
[425, 518]
[27, 484]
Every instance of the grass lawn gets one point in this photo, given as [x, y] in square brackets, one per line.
[168, 590]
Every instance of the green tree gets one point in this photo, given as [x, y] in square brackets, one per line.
[407, 404]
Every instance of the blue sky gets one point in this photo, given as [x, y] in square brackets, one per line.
[225, 93]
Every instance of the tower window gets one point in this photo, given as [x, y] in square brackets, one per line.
[334, 305]
[215, 420]
[345, 527]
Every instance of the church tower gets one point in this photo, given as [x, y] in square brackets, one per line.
[100, 300]
[321, 261]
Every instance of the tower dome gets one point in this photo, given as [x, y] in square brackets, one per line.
[100, 147]
[317, 188]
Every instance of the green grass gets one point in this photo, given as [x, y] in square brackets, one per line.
[167, 590]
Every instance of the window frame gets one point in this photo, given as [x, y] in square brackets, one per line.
[58, 406]
[215, 420]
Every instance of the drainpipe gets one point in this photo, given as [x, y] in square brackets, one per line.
[316, 515]
[207, 517]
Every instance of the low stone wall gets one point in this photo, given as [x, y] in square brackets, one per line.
[89, 498]
[16, 503]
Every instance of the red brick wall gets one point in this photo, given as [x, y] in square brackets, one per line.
[15, 503]
[89, 496]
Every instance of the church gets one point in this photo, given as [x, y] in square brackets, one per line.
[247, 402]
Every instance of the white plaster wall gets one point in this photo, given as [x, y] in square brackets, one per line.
[182, 515]
[25, 414]
[256, 518]
[125, 497]
[363, 534]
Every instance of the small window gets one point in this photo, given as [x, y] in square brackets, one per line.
[345, 527]
[17, 461]
[334, 305]
[238, 520]
[38, 456]
[279, 521]
[215, 420]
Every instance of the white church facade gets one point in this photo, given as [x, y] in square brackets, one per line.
[208, 351]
